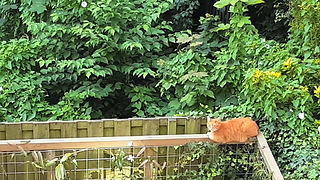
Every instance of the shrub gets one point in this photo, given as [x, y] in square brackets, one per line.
[81, 58]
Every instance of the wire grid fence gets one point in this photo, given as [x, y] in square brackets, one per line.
[192, 161]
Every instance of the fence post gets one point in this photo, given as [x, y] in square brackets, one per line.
[268, 157]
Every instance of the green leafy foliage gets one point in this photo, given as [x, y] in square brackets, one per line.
[232, 162]
[61, 60]
[304, 28]
[278, 84]
[61, 165]
[76, 61]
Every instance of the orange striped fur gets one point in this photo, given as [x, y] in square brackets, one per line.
[234, 130]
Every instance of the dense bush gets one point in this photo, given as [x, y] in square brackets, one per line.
[86, 60]
[81, 60]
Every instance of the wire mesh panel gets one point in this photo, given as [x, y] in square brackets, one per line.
[202, 160]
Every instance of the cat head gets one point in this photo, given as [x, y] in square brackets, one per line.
[213, 124]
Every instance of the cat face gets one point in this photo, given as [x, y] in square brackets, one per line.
[213, 124]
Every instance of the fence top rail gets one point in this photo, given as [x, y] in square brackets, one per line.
[97, 142]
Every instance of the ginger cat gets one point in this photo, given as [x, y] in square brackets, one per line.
[234, 130]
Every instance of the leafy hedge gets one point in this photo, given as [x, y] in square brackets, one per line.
[84, 60]
[95, 59]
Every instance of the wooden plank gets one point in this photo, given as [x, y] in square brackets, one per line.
[108, 123]
[181, 121]
[163, 126]
[96, 142]
[172, 126]
[41, 130]
[51, 170]
[163, 121]
[27, 133]
[55, 129]
[122, 128]
[108, 128]
[27, 126]
[181, 126]
[136, 122]
[68, 129]
[268, 157]
[95, 129]
[192, 126]
[2, 127]
[13, 131]
[137, 128]
[82, 124]
[27, 130]
[137, 131]
[151, 127]
[203, 128]
[82, 130]
[2, 135]
[148, 167]
[172, 130]
[163, 130]
[108, 132]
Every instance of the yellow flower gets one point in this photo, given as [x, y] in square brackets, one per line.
[304, 88]
[257, 76]
[273, 74]
[288, 64]
[317, 92]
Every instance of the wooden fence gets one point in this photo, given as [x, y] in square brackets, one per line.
[24, 135]
[47, 145]
[103, 128]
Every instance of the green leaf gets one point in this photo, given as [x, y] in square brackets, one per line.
[222, 27]
[252, 2]
[296, 103]
[137, 105]
[37, 165]
[222, 3]
[135, 98]
[233, 2]
[167, 85]
[38, 6]
[88, 110]
[243, 20]
[66, 157]
[208, 93]
[174, 104]
[60, 172]
[74, 162]
[307, 54]
[9, 65]
[51, 162]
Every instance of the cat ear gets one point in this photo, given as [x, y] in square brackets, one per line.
[219, 119]
[208, 118]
